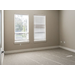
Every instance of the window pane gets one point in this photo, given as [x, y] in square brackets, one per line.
[39, 28]
[39, 36]
[21, 23]
[21, 36]
[39, 19]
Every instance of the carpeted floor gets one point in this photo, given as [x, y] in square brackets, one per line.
[44, 57]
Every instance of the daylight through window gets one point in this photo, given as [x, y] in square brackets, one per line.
[39, 28]
[21, 28]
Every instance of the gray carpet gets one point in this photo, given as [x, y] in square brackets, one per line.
[44, 57]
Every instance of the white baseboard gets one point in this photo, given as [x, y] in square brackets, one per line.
[66, 48]
[31, 49]
[41, 48]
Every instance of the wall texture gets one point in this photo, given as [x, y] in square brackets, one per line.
[67, 28]
[51, 29]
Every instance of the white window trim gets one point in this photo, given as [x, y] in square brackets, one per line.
[21, 41]
[45, 29]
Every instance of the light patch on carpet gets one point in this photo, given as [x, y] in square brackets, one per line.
[69, 56]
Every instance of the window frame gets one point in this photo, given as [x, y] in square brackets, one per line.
[45, 28]
[21, 41]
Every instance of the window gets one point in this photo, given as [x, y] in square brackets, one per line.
[21, 28]
[39, 28]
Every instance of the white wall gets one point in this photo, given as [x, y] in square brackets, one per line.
[0, 30]
[0, 36]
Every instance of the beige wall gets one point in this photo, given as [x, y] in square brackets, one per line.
[67, 28]
[51, 32]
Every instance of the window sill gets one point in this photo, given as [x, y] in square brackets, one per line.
[21, 42]
[36, 41]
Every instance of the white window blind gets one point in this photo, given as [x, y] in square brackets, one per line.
[21, 28]
[39, 28]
